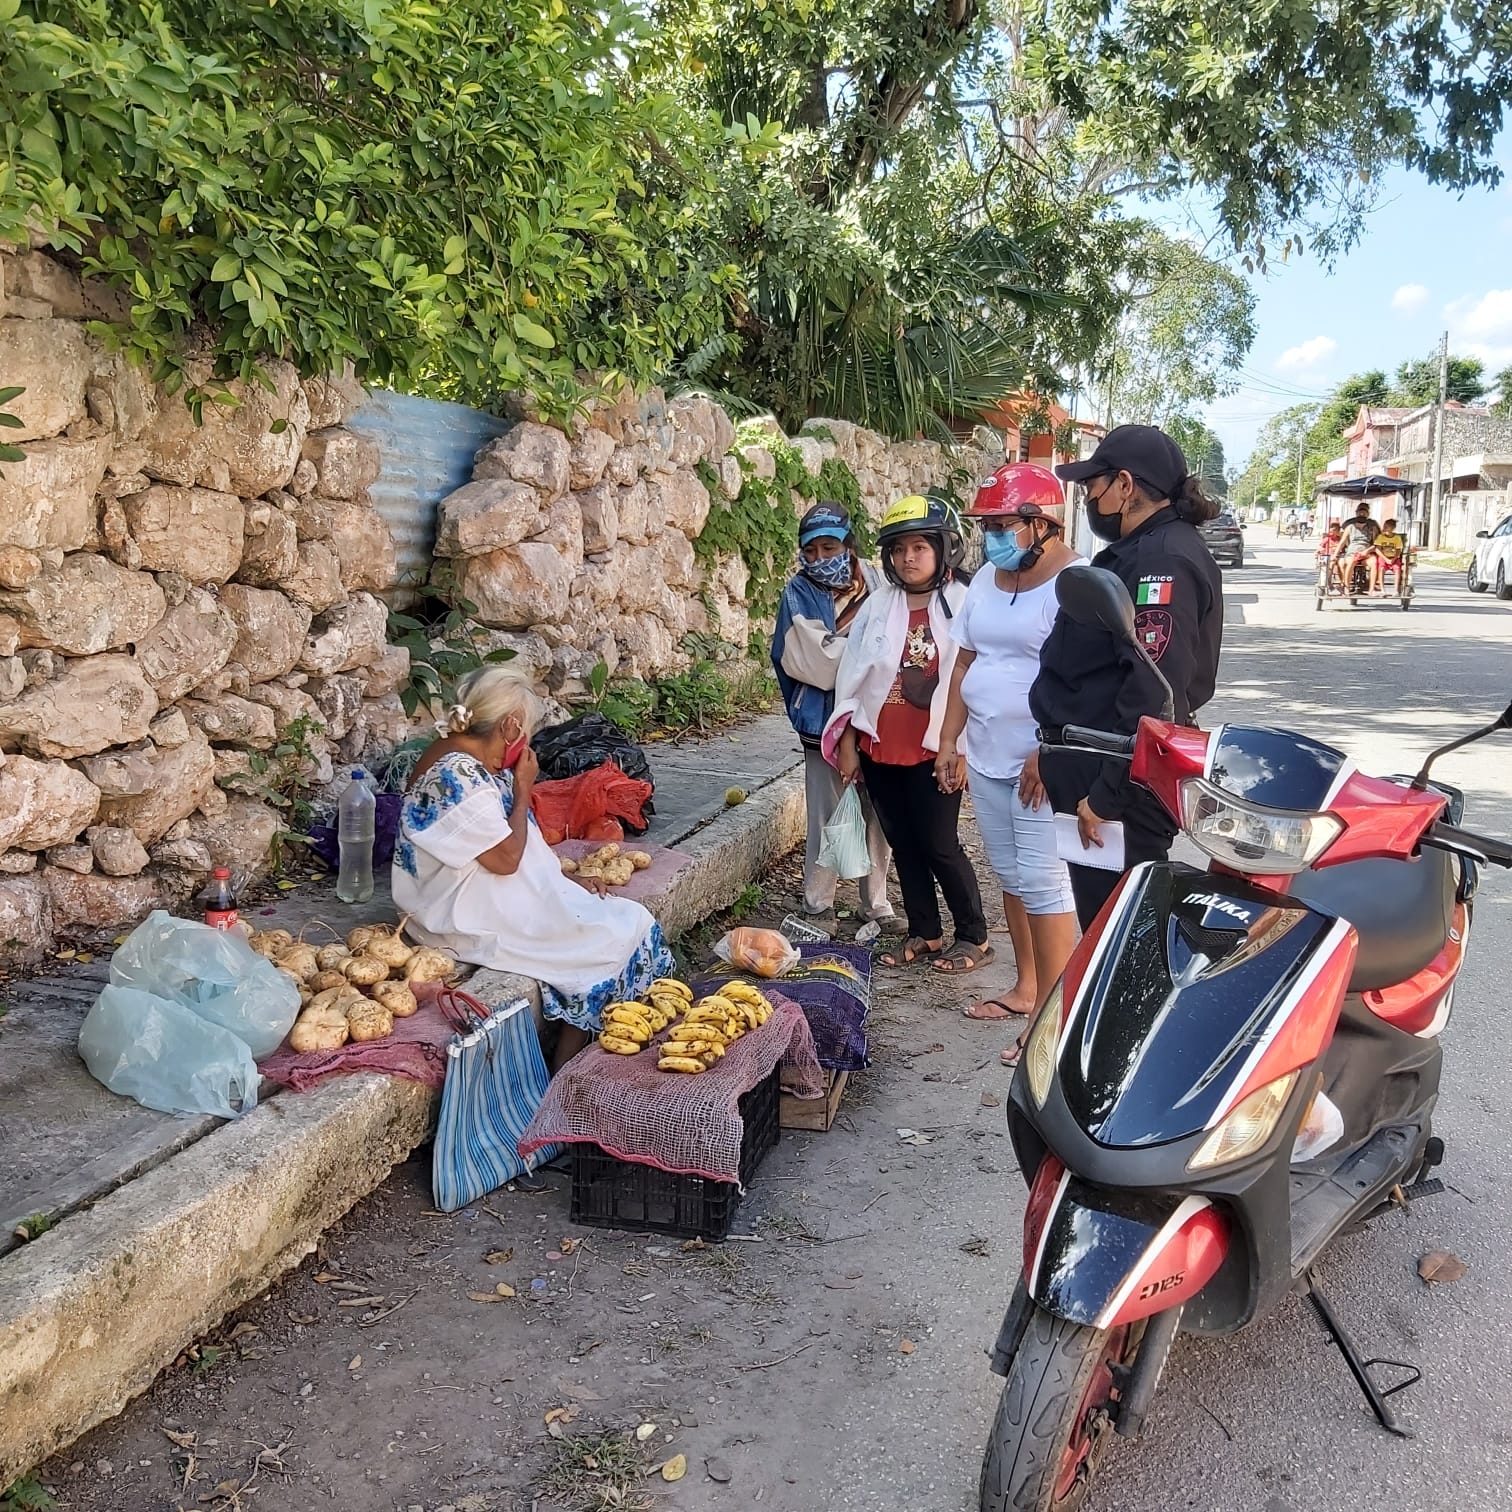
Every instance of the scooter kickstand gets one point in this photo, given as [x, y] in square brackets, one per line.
[1358, 1368]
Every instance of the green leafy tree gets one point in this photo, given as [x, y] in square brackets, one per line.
[1502, 383]
[1343, 407]
[1417, 382]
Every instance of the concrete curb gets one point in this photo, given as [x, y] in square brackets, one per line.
[94, 1309]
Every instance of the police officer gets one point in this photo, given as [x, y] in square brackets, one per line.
[1140, 497]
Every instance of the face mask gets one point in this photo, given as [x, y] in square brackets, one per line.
[1003, 549]
[1106, 527]
[512, 753]
[828, 572]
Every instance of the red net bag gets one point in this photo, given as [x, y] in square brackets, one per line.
[597, 805]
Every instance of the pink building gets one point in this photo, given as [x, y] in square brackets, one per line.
[1373, 437]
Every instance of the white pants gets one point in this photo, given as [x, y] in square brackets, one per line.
[821, 792]
[1020, 844]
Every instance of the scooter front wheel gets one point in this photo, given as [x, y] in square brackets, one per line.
[1055, 1416]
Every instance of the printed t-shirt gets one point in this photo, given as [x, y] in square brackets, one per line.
[904, 717]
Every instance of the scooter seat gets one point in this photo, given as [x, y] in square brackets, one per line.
[1401, 911]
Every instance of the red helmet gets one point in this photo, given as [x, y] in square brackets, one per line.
[1021, 488]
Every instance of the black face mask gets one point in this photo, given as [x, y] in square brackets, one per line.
[1106, 527]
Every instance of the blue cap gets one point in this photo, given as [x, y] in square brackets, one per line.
[824, 520]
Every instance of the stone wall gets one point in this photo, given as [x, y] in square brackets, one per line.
[172, 597]
[578, 546]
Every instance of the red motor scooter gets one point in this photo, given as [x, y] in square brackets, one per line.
[1238, 1065]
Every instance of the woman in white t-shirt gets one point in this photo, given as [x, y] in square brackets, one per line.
[1002, 625]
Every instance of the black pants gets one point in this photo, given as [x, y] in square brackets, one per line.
[1148, 830]
[922, 826]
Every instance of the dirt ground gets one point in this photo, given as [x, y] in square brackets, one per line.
[374, 1378]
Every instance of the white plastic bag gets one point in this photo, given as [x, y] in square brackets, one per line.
[212, 972]
[843, 848]
[166, 1056]
[763, 952]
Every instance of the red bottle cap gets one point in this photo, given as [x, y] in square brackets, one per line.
[221, 873]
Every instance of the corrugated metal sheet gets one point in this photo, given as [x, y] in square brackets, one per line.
[427, 449]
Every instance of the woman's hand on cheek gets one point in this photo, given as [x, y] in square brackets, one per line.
[527, 768]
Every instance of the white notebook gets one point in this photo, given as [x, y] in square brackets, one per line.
[1108, 857]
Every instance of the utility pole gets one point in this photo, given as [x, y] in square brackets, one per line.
[1301, 442]
[1436, 490]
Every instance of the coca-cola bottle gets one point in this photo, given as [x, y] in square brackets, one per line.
[220, 900]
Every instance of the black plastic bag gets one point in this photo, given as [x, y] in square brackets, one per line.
[584, 742]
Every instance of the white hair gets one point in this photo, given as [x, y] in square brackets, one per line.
[489, 696]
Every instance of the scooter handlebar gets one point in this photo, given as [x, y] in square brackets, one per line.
[1109, 742]
[1467, 843]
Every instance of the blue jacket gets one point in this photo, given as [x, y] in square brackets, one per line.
[806, 652]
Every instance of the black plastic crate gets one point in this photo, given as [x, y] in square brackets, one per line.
[612, 1193]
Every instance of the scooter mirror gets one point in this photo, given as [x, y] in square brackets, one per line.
[1095, 596]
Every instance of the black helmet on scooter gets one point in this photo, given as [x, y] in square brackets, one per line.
[928, 515]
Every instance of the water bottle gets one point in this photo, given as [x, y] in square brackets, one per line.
[355, 815]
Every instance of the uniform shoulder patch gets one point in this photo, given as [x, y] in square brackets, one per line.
[1154, 590]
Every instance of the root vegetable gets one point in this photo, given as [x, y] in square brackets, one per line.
[364, 970]
[397, 997]
[569, 866]
[367, 1020]
[429, 965]
[330, 957]
[640, 860]
[389, 949]
[271, 943]
[319, 1028]
[357, 939]
[300, 960]
[323, 981]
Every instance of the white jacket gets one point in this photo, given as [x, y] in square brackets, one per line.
[873, 654]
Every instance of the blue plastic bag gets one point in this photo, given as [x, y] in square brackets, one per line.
[166, 1056]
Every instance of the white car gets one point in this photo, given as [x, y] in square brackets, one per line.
[1491, 565]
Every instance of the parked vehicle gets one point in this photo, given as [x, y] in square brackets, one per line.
[1225, 538]
[1491, 564]
[1239, 1065]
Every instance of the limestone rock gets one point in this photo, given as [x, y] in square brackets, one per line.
[640, 582]
[339, 701]
[270, 550]
[333, 399]
[760, 461]
[52, 361]
[180, 779]
[195, 531]
[241, 837]
[271, 630]
[288, 704]
[235, 449]
[122, 401]
[349, 636]
[623, 468]
[18, 567]
[588, 456]
[16, 863]
[213, 804]
[305, 478]
[562, 528]
[484, 516]
[115, 535]
[681, 502]
[184, 855]
[532, 655]
[84, 605]
[692, 418]
[12, 678]
[74, 858]
[43, 803]
[811, 453]
[99, 701]
[230, 720]
[176, 587]
[192, 641]
[123, 774]
[41, 666]
[48, 498]
[10, 634]
[316, 579]
[34, 275]
[313, 518]
[380, 727]
[647, 647]
[724, 432]
[364, 548]
[169, 730]
[731, 478]
[231, 766]
[117, 852]
[600, 513]
[633, 507]
[517, 586]
[99, 902]
[26, 921]
[388, 674]
[529, 453]
[599, 581]
[679, 569]
[346, 464]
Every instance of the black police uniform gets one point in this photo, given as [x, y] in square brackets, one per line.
[1090, 677]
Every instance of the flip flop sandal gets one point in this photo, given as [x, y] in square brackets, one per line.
[914, 951]
[1012, 1055]
[1004, 1011]
[964, 959]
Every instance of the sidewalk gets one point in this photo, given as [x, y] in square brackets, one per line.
[163, 1223]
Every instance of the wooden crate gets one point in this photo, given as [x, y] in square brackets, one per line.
[814, 1113]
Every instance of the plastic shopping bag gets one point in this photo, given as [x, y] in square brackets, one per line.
[212, 972]
[166, 1056]
[763, 952]
[843, 848]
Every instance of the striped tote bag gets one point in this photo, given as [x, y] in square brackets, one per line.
[495, 1079]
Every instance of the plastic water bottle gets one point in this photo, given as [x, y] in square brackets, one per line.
[355, 815]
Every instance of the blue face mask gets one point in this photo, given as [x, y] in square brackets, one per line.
[1003, 549]
[828, 572]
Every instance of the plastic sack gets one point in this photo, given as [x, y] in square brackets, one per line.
[166, 1056]
[584, 742]
[843, 848]
[761, 951]
[212, 972]
[326, 844]
[1322, 1128]
[592, 805]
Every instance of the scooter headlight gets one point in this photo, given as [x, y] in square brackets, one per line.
[1039, 1052]
[1250, 837]
[1247, 1127]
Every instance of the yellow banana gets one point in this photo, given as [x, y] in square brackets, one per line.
[640, 1033]
[627, 1011]
[741, 992]
[617, 1046]
[671, 984]
[684, 1063]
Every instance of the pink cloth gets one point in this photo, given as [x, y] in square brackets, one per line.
[416, 1050]
[688, 1125]
[644, 885]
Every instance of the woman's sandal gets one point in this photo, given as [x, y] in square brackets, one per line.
[913, 952]
[1004, 1011]
[965, 959]
[1013, 1054]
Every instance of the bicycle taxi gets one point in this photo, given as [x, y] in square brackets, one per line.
[1387, 497]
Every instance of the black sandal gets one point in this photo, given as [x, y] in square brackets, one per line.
[964, 959]
[915, 950]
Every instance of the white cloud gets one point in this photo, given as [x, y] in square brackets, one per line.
[1307, 355]
[1409, 299]
[1481, 326]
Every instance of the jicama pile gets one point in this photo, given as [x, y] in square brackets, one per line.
[608, 864]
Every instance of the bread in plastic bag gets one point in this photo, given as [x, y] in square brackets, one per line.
[212, 972]
[762, 951]
[166, 1056]
[843, 848]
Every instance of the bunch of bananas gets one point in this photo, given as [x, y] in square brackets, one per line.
[710, 1025]
[628, 1027]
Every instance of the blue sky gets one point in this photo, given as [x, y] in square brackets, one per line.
[1429, 261]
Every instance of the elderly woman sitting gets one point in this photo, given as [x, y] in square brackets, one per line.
[475, 874]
